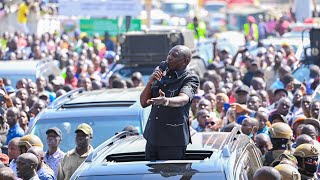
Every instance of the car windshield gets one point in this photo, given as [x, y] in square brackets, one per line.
[176, 8]
[317, 96]
[302, 74]
[15, 78]
[214, 7]
[103, 128]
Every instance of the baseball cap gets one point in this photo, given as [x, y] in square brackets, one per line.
[313, 122]
[58, 80]
[30, 140]
[277, 116]
[279, 90]
[85, 128]
[241, 118]
[255, 63]
[10, 89]
[45, 94]
[109, 55]
[55, 130]
[243, 88]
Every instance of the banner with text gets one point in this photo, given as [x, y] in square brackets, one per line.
[98, 25]
[100, 8]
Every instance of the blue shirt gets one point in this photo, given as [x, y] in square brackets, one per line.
[45, 174]
[109, 45]
[53, 161]
[199, 129]
[277, 85]
[15, 131]
[264, 130]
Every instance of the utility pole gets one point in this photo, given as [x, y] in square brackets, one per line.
[148, 10]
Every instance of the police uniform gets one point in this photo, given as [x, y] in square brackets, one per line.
[168, 126]
[281, 131]
[288, 172]
[272, 157]
[304, 177]
[305, 151]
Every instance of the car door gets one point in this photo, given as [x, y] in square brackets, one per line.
[248, 163]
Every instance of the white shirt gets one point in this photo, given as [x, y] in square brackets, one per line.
[13, 166]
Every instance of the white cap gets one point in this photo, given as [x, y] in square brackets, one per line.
[58, 80]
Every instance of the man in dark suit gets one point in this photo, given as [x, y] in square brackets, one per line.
[170, 92]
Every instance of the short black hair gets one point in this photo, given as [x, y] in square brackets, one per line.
[287, 79]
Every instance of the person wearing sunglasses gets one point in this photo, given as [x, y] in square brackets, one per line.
[212, 124]
[307, 156]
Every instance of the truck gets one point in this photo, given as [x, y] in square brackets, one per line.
[144, 50]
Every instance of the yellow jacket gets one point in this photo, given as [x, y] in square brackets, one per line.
[246, 28]
[202, 28]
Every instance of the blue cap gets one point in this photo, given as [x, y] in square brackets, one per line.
[240, 119]
[10, 89]
[109, 55]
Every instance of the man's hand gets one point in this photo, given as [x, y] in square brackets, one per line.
[156, 75]
[238, 107]
[161, 100]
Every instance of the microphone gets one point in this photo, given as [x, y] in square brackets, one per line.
[163, 66]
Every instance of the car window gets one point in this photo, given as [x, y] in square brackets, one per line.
[316, 96]
[214, 7]
[248, 164]
[241, 173]
[15, 78]
[302, 74]
[253, 163]
[176, 8]
[103, 128]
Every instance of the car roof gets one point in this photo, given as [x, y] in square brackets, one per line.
[106, 102]
[120, 154]
[108, 95]
[99, 98]
[200, 141]
[18, 67]
[205, 141]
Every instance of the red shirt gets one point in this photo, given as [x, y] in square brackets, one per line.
[73, 82]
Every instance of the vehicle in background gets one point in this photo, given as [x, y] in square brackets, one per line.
[158, 17]
[107, 111]
[316, 94]
[311, 56]
[236, 19]
[178, 8]
[143, 51]
[212, 155]
[29, 69]
[216, 17]
[296, 44]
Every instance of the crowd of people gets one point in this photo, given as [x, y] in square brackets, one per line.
[26, 158]
[258, 94]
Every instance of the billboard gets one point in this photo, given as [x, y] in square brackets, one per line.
[100, 8]
[100, 25]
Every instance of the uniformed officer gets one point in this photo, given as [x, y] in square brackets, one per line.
[288, 172]
[307, 156]
[28, 141]
[281, 135]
